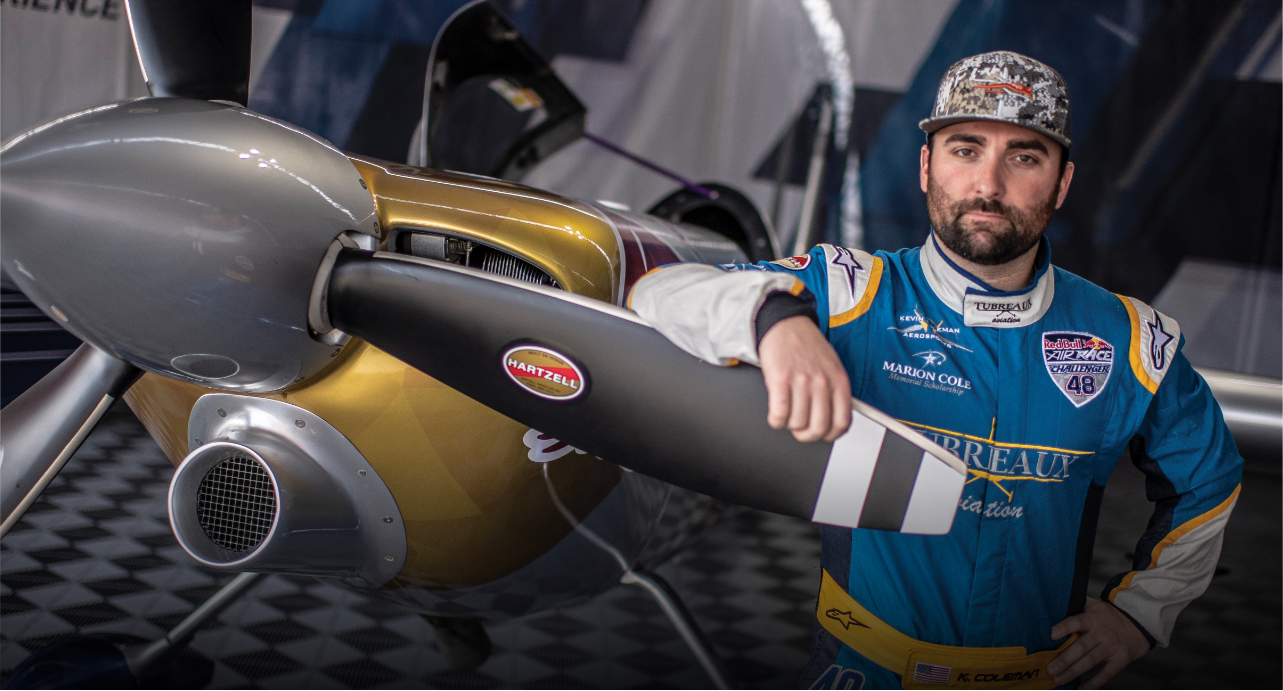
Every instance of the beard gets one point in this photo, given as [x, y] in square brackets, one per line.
[987, 243]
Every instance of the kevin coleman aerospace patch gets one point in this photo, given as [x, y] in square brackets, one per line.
[1079, 364]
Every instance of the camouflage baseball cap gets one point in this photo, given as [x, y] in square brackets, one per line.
[1004, 87]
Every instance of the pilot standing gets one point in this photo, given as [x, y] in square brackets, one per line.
[1037, 379]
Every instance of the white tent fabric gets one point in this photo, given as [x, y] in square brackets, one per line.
[54, 61]
[709, 87]
[706, 89]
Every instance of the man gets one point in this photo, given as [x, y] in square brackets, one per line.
[1035, 378]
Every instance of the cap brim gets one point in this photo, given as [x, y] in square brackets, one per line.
[930, 125]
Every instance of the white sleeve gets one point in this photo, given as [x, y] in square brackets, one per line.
[706, 311]
[1182, 568]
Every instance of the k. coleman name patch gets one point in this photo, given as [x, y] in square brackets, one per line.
[1079, 364]
[544, 373]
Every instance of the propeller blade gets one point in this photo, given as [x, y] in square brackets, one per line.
[194, 48]
[44, 426]
[597, 377]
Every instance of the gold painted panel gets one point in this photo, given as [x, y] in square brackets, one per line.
[475, 507]
[569, 239]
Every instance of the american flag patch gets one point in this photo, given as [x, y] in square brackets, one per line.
[931, 674]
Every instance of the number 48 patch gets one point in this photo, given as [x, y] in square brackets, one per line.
[1079, 363]
[1086, 387]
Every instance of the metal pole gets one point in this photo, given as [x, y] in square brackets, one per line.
[142, 658]
[783, 166]
[649, 165]
[814, 180]
[45, 426]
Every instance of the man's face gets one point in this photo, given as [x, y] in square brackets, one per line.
[991, 189]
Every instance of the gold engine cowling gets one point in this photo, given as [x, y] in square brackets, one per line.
[474, 507]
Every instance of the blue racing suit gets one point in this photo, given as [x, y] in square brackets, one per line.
[1038, 391]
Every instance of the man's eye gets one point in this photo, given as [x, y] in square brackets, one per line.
[964, 152]
[1026, 159]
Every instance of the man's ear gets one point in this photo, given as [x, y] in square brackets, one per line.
[924, 167]
[1064, 183]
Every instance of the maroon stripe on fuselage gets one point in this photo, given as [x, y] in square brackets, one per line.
[643, 250]
[635, 265]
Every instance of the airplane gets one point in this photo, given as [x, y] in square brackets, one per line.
[417, 381]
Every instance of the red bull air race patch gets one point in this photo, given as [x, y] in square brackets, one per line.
[1079, 363]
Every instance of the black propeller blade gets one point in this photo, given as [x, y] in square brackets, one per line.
[597, 377]
[45, 425]
[194, 48]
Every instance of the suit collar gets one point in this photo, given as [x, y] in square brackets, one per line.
[981, 304]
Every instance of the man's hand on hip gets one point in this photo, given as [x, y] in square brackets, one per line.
[1106, 635]
[808, 389]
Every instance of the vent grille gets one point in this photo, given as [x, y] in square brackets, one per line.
[512, 266]
[236, 504]
[469, 253]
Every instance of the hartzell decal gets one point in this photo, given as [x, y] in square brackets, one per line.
[1005, 464]
[544, 373]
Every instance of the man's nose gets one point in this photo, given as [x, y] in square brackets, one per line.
[990, 179]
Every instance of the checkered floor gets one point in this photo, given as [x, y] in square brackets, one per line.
[95, 554]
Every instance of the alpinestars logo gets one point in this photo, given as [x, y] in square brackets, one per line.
[844, 618]
[1079, 364]
[1158, 340]
[846, 259]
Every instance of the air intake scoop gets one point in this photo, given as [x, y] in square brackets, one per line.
[272, 487]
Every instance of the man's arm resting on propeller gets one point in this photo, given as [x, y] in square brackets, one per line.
[808, 389]
[759, 317]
